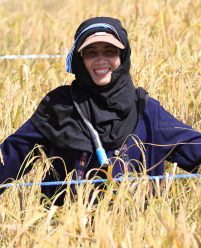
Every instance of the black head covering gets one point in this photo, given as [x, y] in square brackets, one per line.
[113, 109]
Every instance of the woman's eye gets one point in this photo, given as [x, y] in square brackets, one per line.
[111, 52]
[89, 52]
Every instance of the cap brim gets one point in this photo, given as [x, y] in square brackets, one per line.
[109, 38]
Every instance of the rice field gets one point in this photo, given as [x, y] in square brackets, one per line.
[165, 39]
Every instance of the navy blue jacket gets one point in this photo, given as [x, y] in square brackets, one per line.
[157, 129]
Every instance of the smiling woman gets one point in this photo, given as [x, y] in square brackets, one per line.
[102, 92]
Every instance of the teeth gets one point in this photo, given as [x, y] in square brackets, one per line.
[101, 71]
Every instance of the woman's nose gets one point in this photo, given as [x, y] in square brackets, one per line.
[100, 58]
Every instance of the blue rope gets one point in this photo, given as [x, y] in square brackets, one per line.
[98, 180]
[31, 56]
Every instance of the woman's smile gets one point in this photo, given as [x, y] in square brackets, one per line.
[101, 71]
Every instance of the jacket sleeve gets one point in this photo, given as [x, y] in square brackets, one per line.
[180, 142]
[14, 150]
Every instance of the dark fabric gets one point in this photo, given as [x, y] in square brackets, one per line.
[113, 109]
[156, 126]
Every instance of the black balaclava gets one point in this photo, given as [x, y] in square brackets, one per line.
[113, 109]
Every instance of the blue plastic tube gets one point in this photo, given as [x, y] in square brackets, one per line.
[100, 180]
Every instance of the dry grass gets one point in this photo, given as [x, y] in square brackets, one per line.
[165, 38]
[133, 217]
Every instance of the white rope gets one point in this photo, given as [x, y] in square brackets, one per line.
[32, 56]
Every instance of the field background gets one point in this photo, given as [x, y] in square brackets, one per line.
[165, 39]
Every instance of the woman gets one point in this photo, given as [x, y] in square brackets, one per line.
[104, 92]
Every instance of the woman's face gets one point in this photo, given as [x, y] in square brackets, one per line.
[101, 67]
